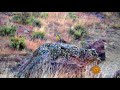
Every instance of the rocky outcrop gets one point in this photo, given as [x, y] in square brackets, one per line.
[50, 60]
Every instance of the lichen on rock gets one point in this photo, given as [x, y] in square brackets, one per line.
[48, 56]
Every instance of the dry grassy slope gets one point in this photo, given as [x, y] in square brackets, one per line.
[7, 62]
[56, 22]
[109, 67]
[112, 63]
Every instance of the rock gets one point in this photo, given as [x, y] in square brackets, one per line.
[50, 53]
[100, 49]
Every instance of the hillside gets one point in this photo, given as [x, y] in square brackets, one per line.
[23, 33]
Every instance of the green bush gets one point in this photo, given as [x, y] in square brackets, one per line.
[78, 32]
[7, 30]
[38, 35]
[17, 43]
[72, 15]
[44, 15]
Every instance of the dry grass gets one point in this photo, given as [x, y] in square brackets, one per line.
[87, 20]
[61, 68]
[5, 69]
[6, 50]
[73, 68]
[33, 45]
[6, 63]
[57, 22]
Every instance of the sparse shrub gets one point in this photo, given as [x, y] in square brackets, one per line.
[23, 19]
[17, 18]
[38, 35]
[44, 15]
[17, 43]
[78, 32]
[30, 20]
[37, 23]
[72, 15]
[33, 21]
[7, 30]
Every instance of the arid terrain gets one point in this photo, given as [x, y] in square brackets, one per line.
[39, 28]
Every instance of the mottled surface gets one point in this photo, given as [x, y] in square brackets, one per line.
[98, 26]
[48, 53]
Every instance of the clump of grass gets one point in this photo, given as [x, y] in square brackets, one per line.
[22, 19]
[30, 20]
[33, 21]
[72, 15]
[7, 30]
[78, 32]
[38, 35]
[17, 43]
[17, 18]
